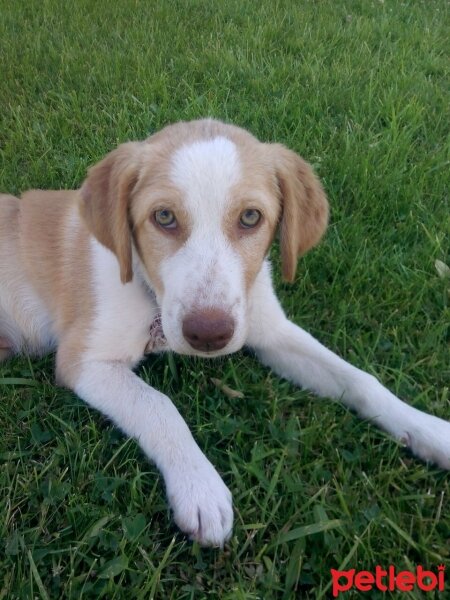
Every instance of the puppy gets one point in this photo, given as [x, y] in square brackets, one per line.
[165, 247]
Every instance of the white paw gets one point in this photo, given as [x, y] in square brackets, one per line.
[429, 439]
[426, 436]
[200, 501]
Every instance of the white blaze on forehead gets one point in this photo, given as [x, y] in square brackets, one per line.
[205, 171]
[206, 271]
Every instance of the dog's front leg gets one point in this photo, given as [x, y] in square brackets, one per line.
[294, 354]
[200, 501]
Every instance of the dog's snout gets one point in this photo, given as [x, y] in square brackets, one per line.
[208, 330]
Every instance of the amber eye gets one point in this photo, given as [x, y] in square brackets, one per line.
[250, 218]
[165, 218]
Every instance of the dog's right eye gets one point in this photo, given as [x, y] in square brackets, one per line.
[165, 218]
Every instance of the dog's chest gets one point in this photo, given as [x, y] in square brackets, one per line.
[124, 314]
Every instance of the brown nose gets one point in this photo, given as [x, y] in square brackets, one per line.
[208, 330]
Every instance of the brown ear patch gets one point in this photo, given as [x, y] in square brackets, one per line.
[104, 203]
[304, 207]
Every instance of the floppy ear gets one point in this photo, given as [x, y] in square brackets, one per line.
[105, 200]
[304, 208]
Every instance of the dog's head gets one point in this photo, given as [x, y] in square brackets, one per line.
[193, 210]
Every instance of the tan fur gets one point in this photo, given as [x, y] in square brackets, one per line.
[153, 243]
[131, 183]
[5, 353]
[44, 251]
[271, 169]
[305, 207]
[9, 264]
[253, 243]
[105, 199]
[51, 252]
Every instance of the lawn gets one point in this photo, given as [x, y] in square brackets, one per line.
[360, 89]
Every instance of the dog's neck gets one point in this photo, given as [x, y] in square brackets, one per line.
[157, 340]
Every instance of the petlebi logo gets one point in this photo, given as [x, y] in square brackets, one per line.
[388, 579]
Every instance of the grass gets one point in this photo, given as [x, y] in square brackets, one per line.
[360, 89]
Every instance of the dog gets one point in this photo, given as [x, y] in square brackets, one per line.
[165, 247]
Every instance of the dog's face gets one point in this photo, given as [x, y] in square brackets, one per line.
[194, 210]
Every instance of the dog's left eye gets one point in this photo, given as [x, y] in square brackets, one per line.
[250, 218]
[165, 218]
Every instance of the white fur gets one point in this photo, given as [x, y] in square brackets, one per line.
[206, 271]
[206, 171]
[123, 313]
[191, 282]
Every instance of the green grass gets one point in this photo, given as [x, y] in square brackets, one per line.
[359, 88]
